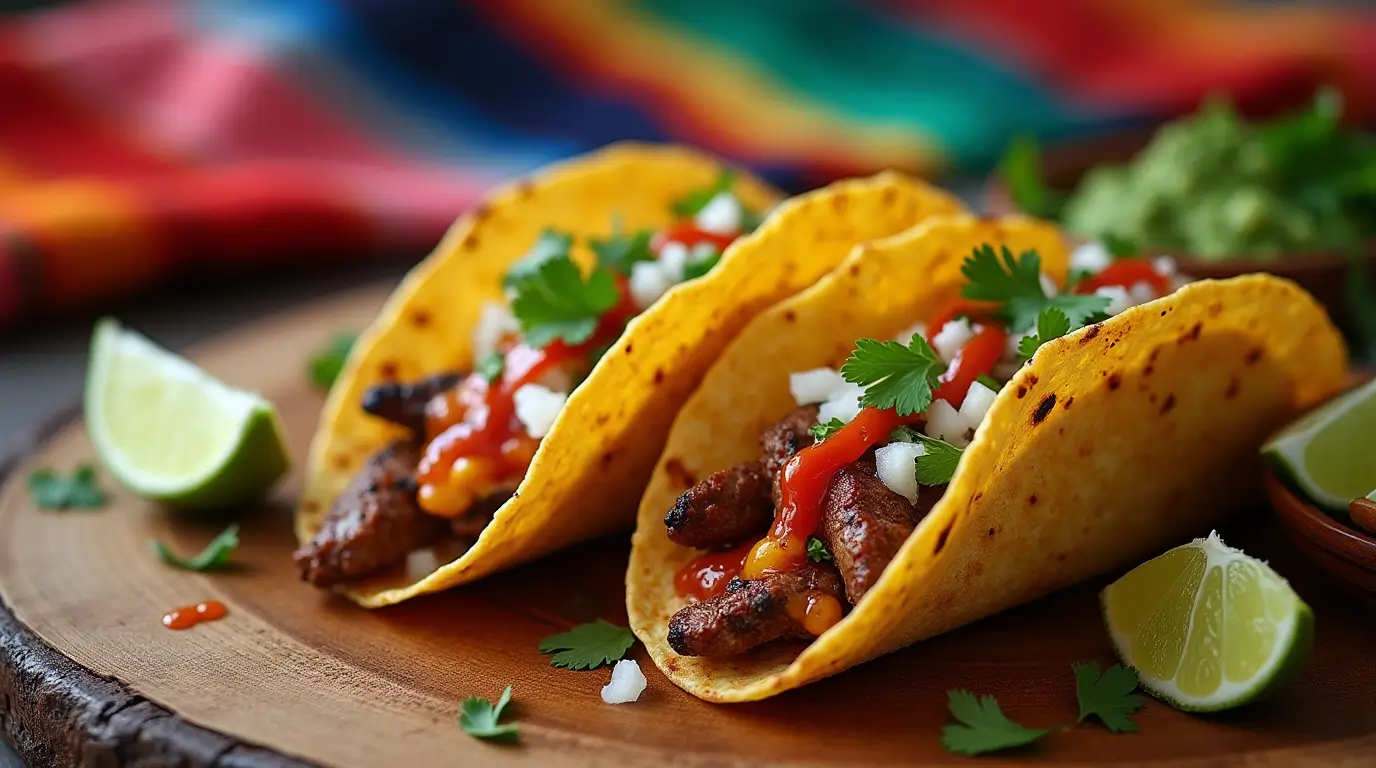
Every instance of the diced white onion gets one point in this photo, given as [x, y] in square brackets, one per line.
[721, 215]
[952, 336]
[843, 405]
[1091, 257]
[703, 250]
[494, 321]
[1118, 300]
[672, 257]
[816, 385]
[1048, 285]
[945, 423]
[1165, 265]
[421, 563]
[1141, 292]
[896, 465]
[537, 407]
[905, 336]
[977, 402]
[627, 683]
[648, 282]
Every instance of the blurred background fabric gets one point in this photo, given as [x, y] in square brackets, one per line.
[146, 140]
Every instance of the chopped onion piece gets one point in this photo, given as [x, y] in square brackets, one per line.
[1091, 257]
[672, 257]
[952, 336]
[648, 282]
[1048, 285]
[816, 385]
[978, 400]
[843, 404]
[494, 321]
[945, 423]
[627, 683]
[897, 468]
[905, 336]
[1165, 265]
[721, 215]
[1141, 292]
[538, 407]
[421, 563]
[1118, 300]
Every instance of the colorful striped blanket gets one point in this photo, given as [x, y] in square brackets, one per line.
[142, 140]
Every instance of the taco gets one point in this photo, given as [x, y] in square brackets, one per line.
[876, 460]
[513, 394]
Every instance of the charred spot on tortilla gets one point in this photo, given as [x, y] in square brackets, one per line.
[1215, 308]
[628, 349]
[840, 203]
[1044, 408]
[659, 376]
[854, 270]
[602, 418]
[387, 370]
[1168, 403]
[790, 316]
[1191, 335]
[1090, 332]
[1149, 370]
[888, 195]
[479, 212]
[1032, 500]
[420, 318]
[941, 537]
[1068, 401]
[470, 242]
[1031, 380]
[1254, 356]
[607, 457]
[1233, 385]
[991, 531]
[1022, 392]
[341, 461]
[1115, 380]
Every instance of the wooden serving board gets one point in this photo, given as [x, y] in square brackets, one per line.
[88, 676]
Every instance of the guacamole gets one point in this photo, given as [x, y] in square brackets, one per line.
[1216, 186]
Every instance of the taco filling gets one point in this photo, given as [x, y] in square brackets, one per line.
[799, 536]
[474, 433]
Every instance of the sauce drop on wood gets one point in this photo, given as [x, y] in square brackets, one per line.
[189, 616]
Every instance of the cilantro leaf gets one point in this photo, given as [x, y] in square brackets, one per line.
[983, 726]
[1051, 324]
[1107, 696]
[938, 465]
[551, 244]
[588, 646]
[326, 364]
[491, 365]
[1119, 247]
[989, 381]
[215, 556]
[1015, 282]
[698, 267]
[478, 718]
[817, 550]
[80, 491]
[894, 376]
[620, 252]
[821, 432]
[1021, 172]
[689, 205]
[552, 299]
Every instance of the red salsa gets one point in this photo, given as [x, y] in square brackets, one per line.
[189, 616]
[706, 576]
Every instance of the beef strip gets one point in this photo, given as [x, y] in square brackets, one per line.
[373, 524]
[404, 403]
[864, 524]
[749, 613]
[730, 506]
[786, 437]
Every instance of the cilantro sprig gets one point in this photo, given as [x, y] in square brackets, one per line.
[478, 717]
[690, 204]
[491, 365]
[552, 299]
[79, 491]
[1051, 324]
[1021, 172]
[982, 727]
[894, 376]
[588, 646]
[937, 465]
[215, 556]
[817, 550]
[824, 430]
[620, 252]
[1015, 283]
[327, 363]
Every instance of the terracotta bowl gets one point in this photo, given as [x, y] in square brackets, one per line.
[1322, 273]
[1344, 554]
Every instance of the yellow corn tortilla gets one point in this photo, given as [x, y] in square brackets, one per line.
[1113, 443]
[592, 466]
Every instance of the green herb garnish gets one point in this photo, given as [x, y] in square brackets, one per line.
[817, 550]
[79, 491]
[553, 300]
[937, 465]
[696, 268]
[491, 365]
[821, 432]
[1051, 324]
[983, 726]
[588, 646]
[620, 252]
[894, 376]
[1015, 282]
[1021, 171]
[325, 365]
[690, 204]
[478, 718]
[215, 556]
[1107, 696]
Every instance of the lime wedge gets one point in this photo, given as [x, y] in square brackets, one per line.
[169, 431]
[1329, 454]
[1208, 627]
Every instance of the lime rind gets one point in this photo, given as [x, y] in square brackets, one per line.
[1289, 653]
[248, 459]
[1288, 452]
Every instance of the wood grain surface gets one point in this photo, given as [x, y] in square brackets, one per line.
[88, 676]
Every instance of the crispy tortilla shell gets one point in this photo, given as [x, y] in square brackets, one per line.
[592, 466]
[1114, 443]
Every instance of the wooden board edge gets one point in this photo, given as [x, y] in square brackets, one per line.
[54, 711]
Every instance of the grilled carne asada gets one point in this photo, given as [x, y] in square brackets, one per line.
[374, 523]
[404, 403]
[750, 613]
[786, 437]
[730, 506]
[864, 524]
